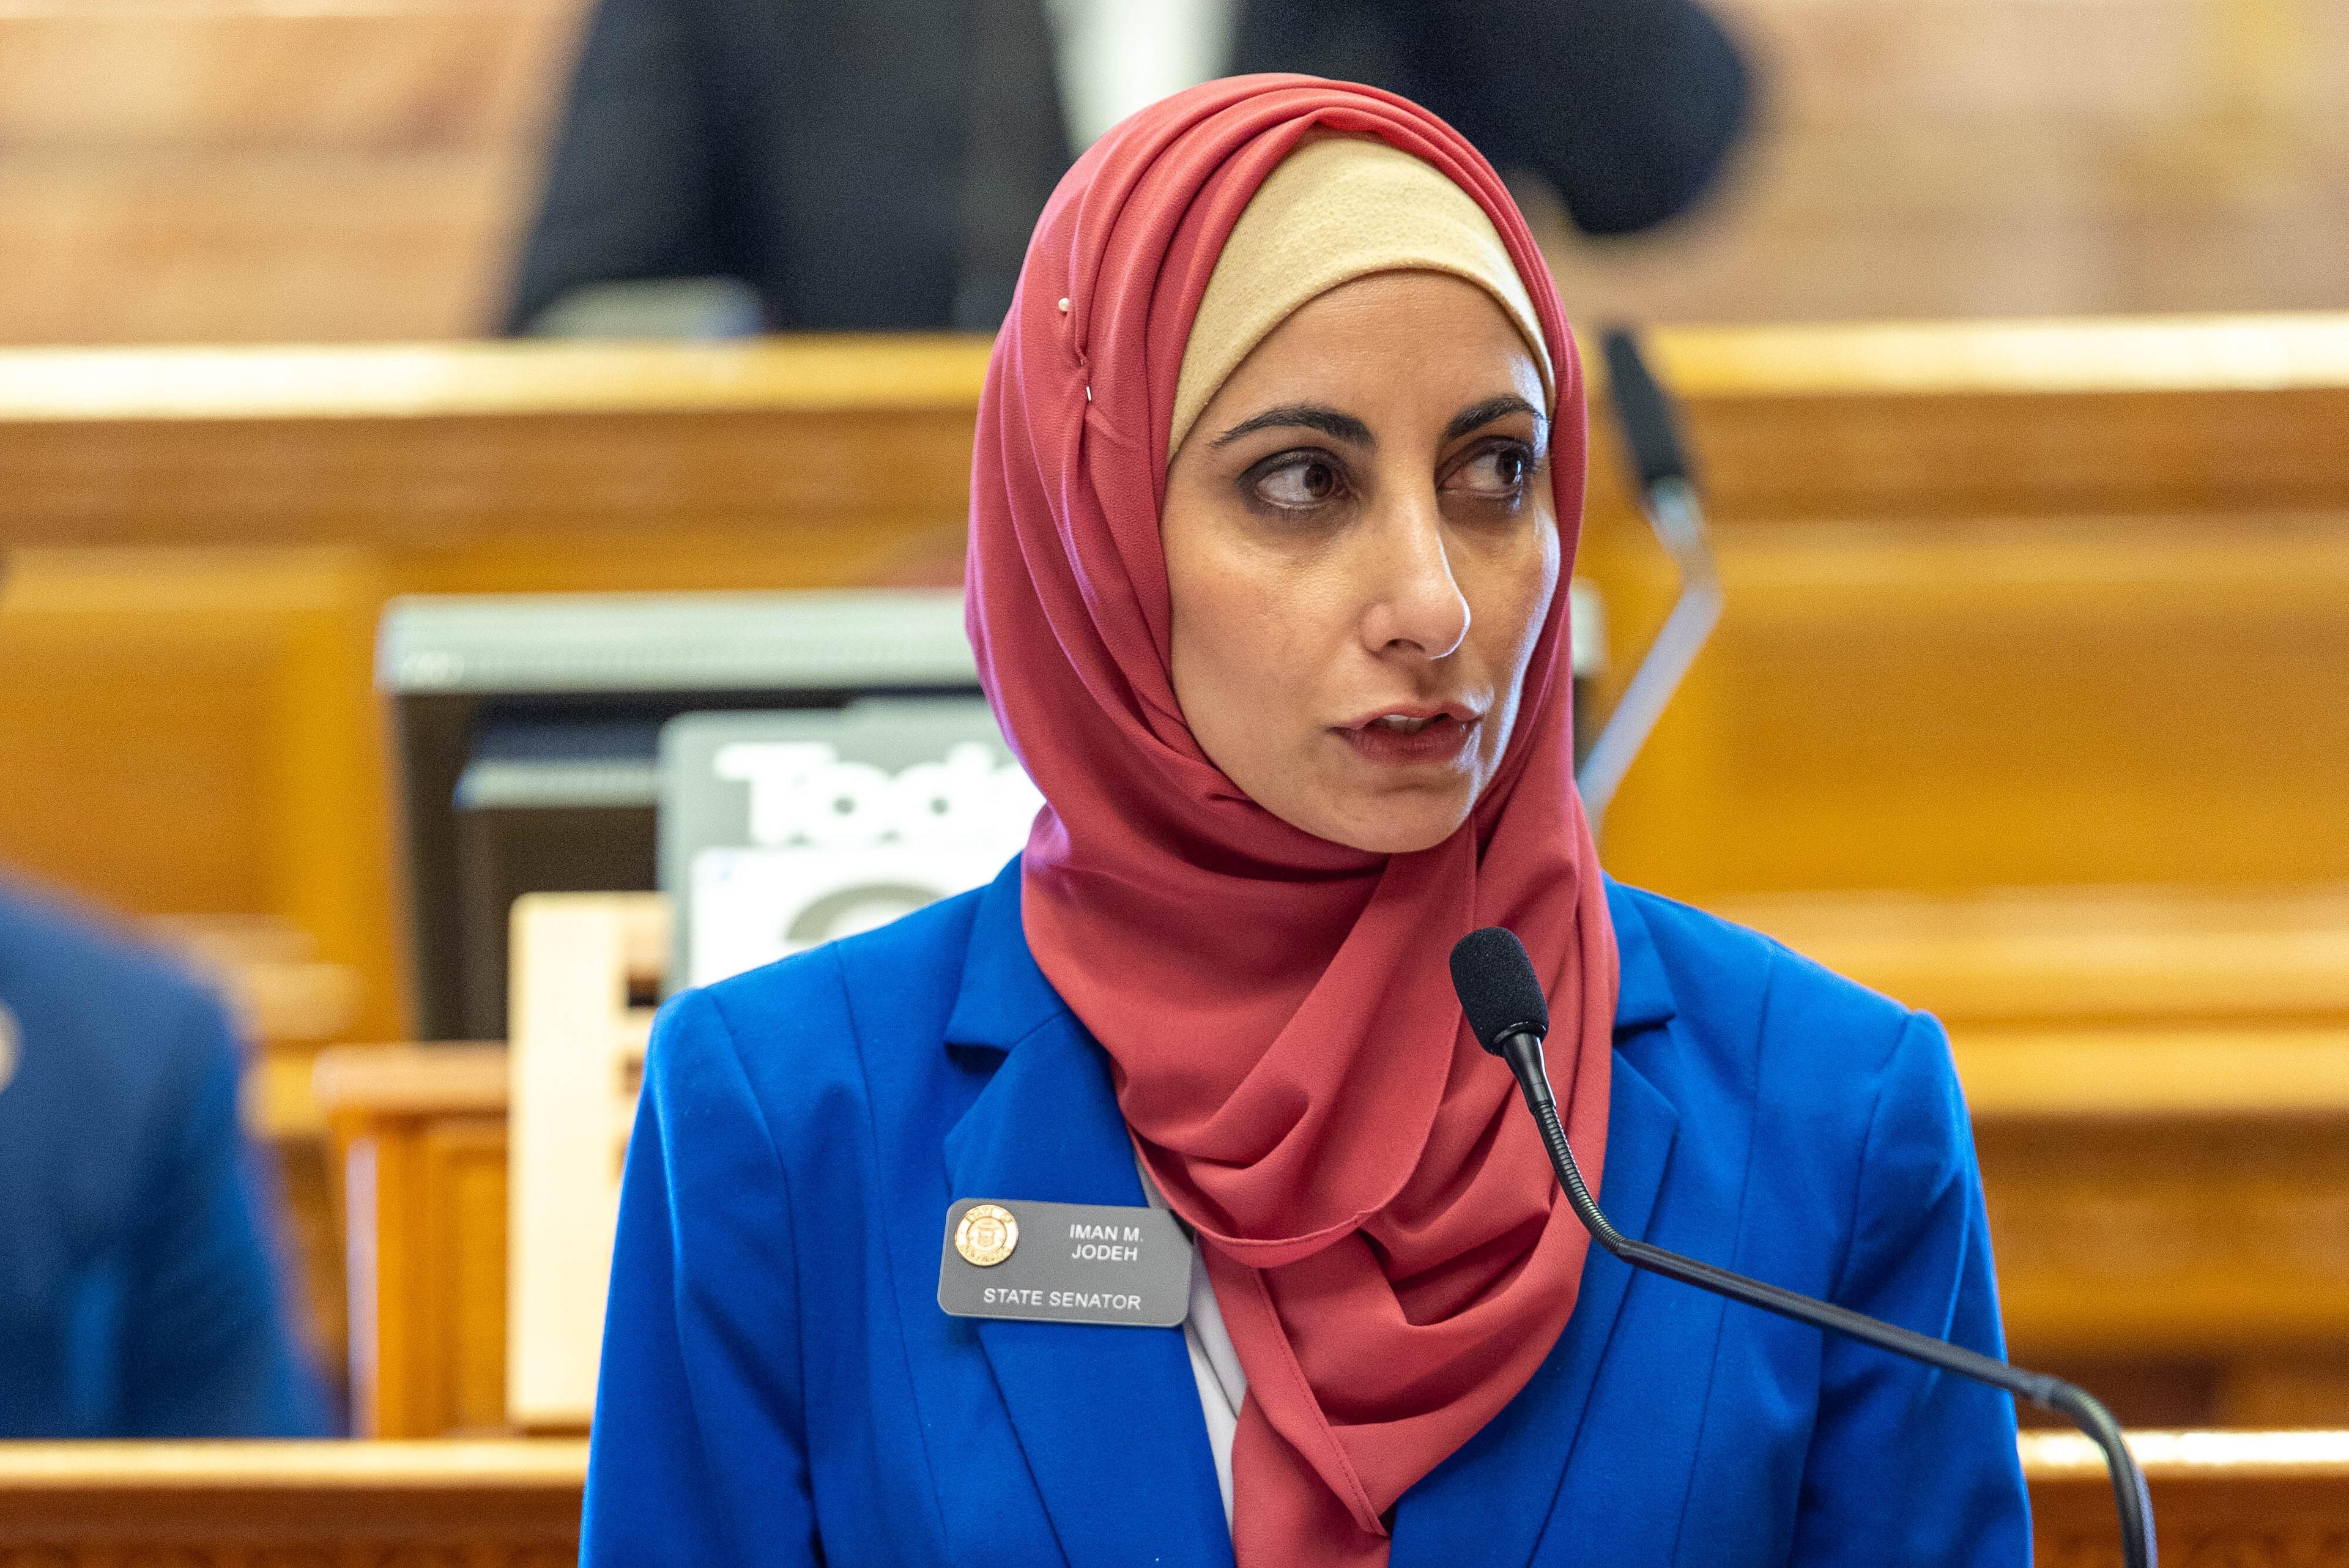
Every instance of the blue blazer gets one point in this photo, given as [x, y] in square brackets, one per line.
[780, 1386]
[139, 1293]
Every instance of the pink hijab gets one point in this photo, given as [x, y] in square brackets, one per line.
[1377, 1219]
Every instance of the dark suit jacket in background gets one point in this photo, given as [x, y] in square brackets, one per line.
[874, 165]
[137, 1295]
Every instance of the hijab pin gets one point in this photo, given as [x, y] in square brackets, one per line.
[1064, 305]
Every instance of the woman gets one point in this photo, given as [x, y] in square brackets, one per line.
[1280, 466]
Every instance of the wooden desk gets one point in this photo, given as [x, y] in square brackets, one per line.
[200, 544]
[419, 1135]
[244, 1505]
[2176, 1260]
[2219, 1497]
[2079, 956]
[2000, 611]
[2160, 1082]
[508, 465]
[2030, 605]
[447, 449]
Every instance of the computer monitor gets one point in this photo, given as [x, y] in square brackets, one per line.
[526, 732]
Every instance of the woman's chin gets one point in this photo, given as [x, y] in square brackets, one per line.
[1398, 822]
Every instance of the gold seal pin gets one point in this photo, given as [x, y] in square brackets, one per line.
[987, 1234]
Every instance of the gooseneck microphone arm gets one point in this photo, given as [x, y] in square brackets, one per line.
[1519, 1042]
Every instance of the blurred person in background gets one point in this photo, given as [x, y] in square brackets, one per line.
[139, 1295]
[877, 166]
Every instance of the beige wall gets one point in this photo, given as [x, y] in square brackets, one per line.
[243, 170]
[1931, 158]
[247, 170]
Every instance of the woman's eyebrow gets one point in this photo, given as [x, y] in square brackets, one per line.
[1311, 416]
[1485, 413]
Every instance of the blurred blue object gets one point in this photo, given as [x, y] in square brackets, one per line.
[138, 1292]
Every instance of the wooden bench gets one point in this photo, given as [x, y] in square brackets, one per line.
[2006, 604]
[420, 1138]
[2160, 1082]
[195, 729]
[2219, 1497]
[2151, 1292]
[2045, 604]
[482, 1184]
[336, 1504]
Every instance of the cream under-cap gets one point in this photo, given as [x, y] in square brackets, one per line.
[1339, 208]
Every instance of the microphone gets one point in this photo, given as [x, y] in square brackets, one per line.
[1503, 998]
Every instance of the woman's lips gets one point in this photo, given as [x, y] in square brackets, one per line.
[1438, 738]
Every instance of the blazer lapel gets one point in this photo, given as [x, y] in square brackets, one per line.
[1108, 1418]
[1492, 1500]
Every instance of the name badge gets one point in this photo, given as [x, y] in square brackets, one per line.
[1064, 1263]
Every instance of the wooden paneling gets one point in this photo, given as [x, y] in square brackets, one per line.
[240, 171]
[1946, 158]
[207, 244]
[2029, 611]
[187, 733]
[420, 1141]
[247, 74]
[428, 1346]
[439, 448]
[277, 988]
[2159, 1090]
[801, 448]
[261, 1505]
[2136, 960]
[202, 543]
[2133, 1246]
[1941, 704]
[2218, 1497]
[161, 705]
[2007, 604]
[2160, 1082]
[2168, 1237]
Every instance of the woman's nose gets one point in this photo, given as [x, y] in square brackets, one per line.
[1414, 601]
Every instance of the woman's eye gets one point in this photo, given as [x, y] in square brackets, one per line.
[1302, 481]
[1499, 472]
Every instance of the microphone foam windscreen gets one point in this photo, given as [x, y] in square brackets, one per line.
[1497, 987]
